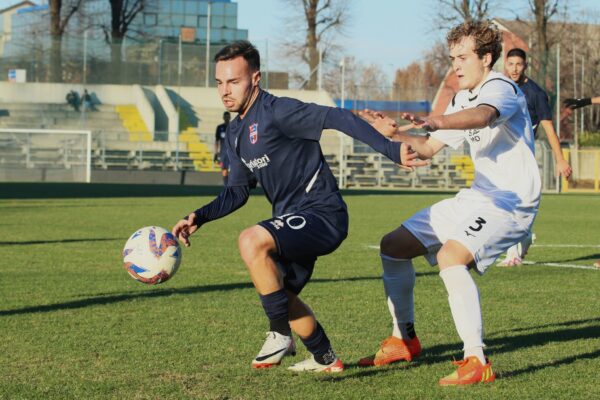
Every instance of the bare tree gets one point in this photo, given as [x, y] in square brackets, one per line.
[123, 12]
[58, 24]
[321, 20]
[453, 12]
[543, 11]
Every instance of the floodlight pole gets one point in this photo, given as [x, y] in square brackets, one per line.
[341, 135]
[207, 72]
[85, 34]
[320, 71]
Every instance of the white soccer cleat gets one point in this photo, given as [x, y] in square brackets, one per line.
[276, 347]
[310, 365]
[516, 254]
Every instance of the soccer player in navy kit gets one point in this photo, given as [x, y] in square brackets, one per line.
[275, 141]
[220, 150]
[541, 114]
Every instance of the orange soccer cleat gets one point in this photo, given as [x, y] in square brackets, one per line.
[391, 350]
[469, 371]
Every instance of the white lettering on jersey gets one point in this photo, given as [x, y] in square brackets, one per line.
[257, 163]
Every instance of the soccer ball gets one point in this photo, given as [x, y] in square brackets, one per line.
[151, 255]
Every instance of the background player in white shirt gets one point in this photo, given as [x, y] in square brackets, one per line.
[472, 229]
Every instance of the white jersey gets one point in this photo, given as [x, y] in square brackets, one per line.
[506, 172]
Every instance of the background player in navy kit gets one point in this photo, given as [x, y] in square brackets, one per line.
[220, 150]
[275, 141]
[573, 104]
[541, 114]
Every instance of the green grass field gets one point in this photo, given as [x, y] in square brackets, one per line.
[74, 325]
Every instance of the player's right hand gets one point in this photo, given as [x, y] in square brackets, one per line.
[185, 228]
[426, 123]
[577, 103]
[382, 123]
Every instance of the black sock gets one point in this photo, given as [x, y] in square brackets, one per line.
[410, 330]
[320, 347]
[276, 307]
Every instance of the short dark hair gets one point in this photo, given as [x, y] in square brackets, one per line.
[487, 37]
[240, 48]
[516, 52]
[226, 114]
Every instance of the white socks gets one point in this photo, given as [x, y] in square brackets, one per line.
[399, 282]
[463, 297]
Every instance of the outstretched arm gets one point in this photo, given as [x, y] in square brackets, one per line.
[562, 166]
[578, 103]
[345, 121]
[229, 200]
[472, 118]
[425, 146]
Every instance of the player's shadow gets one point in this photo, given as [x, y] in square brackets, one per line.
[592, 257]
[30, 242]
[157, 293]
[507, 342]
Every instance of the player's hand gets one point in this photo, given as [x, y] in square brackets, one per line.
[577, 103]
[427, 123]
[384, 124]
[185, 228]
[409, 158]
[563, 168]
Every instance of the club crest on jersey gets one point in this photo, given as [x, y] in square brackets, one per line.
[253, 133]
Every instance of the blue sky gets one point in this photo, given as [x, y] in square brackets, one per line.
[391, 33]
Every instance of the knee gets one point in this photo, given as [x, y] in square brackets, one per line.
[388, 245]
[252, 244]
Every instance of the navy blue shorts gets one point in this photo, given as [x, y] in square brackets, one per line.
[302, 237]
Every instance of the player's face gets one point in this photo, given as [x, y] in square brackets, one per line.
[466, 64]
[237, 84]
[514, 68]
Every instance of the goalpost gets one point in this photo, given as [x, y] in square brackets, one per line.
[45, 155]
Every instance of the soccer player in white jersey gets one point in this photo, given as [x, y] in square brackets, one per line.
[470, 230]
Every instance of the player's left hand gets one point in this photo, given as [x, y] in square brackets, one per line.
[409, 158]
[563, 168]
[427, 123]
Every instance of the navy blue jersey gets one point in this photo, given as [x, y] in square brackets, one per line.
[220, 137]
[277, 144]
[537, 103]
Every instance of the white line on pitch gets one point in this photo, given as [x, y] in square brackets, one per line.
[583, 246]
[549, 264]
[561, 265]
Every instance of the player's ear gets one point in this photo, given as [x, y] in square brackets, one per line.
[487, 60]
[256, 78]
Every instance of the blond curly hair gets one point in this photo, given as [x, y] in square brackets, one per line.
[487, 37]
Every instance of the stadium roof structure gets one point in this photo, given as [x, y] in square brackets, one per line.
[18, 5]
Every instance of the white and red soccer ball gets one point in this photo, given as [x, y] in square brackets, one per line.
[151, 255]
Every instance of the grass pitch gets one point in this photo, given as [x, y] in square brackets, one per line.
[74, 325]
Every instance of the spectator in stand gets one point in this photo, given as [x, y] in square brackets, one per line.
[73, 100]
[86, 100]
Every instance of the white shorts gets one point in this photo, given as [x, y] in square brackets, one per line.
[472, 220]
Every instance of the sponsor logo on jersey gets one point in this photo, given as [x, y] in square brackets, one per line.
[257, 163]
[253, 133]
[474, 135]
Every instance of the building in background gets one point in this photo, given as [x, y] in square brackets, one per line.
[150, 52]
